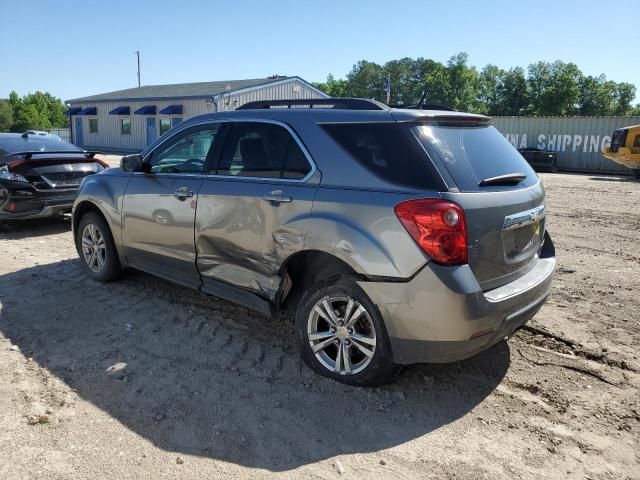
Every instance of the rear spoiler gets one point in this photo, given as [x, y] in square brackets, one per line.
[28, 154]
[454, 120]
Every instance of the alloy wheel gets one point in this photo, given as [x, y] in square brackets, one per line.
[341, 334]
[94, 249]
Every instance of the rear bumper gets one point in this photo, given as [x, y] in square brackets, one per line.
[442, 314]
[26, 203]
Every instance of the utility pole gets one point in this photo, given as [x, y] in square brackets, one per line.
[388, 89]
[138, 55]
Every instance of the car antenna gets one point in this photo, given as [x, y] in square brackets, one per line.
[423, 97]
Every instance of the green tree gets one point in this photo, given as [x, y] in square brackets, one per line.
[333, 87]
[366, 80]
[433, 80]
[37, 110]
[596, 95]
[6, 116]
[404, 82]
[554, 88]
[490, 83]
[27, 116]
[463, 83]
[513, 93]
[545, 88]
[624, 95]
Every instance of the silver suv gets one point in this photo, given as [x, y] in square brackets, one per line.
[394, 236]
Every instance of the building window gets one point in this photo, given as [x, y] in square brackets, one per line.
[165, 125]
[93, 125]
[125, 126]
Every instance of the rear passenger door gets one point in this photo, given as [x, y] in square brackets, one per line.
[249, 207]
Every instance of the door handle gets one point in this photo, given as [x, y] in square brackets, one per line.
[277, 197]
[182, 193]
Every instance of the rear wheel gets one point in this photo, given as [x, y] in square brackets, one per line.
[97, 251]
[341, 334]
[636, 172]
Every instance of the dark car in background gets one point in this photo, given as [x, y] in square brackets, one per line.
[40, 175]
[540, 159]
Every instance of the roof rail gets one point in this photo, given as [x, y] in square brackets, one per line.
[331, 103]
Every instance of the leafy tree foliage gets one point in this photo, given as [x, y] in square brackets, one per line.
[335, 88]
[38, 111]
[544, 88]
[6, 116]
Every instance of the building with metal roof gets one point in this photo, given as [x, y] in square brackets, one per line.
[130, 119]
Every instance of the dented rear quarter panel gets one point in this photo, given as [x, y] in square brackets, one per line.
[360, 227]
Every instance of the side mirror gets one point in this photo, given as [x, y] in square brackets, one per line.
[131, 163]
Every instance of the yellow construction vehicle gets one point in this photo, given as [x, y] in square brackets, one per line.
[625, 148]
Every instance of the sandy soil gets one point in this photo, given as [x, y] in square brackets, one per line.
[142, 379]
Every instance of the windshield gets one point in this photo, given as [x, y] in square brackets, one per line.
[473, 154]
[35, 143]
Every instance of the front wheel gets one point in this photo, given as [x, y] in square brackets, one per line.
[342, 336]
[97, 251]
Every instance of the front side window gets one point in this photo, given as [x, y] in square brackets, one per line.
[165, 125]
[93, 125]
[185, 153]
[265, 150]
[125, 126]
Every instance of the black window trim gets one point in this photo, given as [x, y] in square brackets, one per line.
[216, 152]
[293, 135]
[178, 135]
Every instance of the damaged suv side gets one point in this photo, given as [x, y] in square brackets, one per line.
[394, 236]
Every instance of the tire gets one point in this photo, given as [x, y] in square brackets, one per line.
[636, 172]
[335, 339]
[105, 265]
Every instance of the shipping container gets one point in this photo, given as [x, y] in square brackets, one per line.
[577, 141]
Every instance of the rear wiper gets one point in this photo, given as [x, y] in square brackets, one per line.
[508, 179]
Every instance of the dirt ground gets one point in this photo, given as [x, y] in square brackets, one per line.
[143, 379]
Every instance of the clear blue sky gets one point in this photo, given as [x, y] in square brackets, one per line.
[77, 48]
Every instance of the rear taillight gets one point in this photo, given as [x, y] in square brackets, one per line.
[438, 227]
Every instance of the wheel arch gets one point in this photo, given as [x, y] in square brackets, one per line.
[87, 205]
[306, 267]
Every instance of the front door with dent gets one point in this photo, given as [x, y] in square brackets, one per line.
[160, 206]
[251, 206]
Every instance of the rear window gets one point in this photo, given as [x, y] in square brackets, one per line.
[384, 149]
[35, 143]
[473, 154]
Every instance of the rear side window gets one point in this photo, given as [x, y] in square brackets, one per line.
[264, 150]
[473, 154]
[384, 149]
